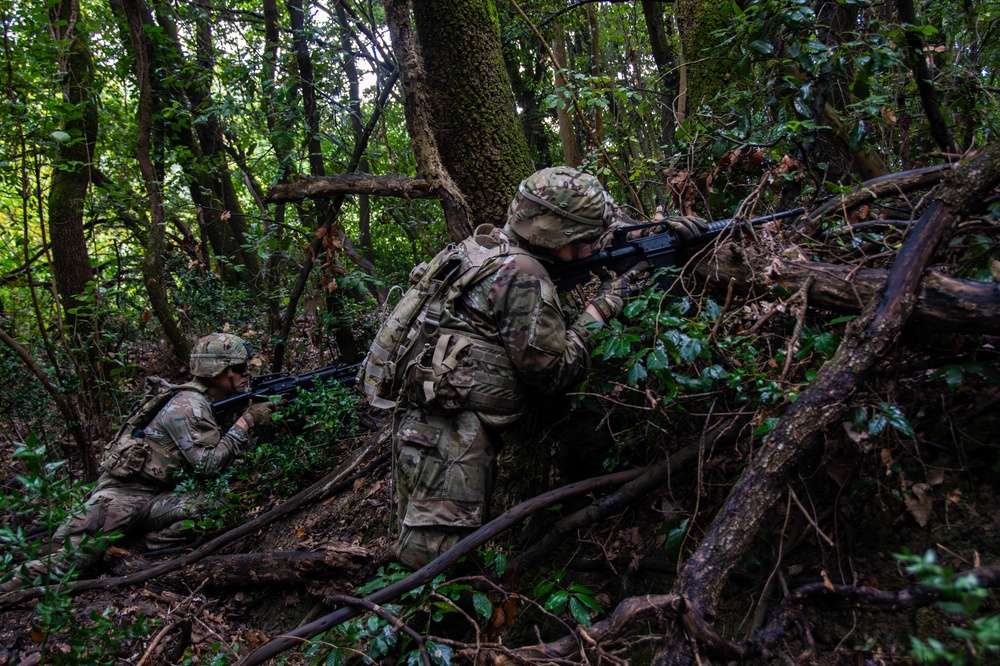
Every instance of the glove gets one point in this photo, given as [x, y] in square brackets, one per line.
[687, 227]
[611, 295]
[259, 413]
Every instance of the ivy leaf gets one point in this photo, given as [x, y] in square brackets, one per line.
[636, 373]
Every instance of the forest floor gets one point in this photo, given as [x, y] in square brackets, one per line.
[852, 511]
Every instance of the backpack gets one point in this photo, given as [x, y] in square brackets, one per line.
[435, 286]
[125, 454]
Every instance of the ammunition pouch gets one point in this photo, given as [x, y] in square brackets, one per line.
[455, 372]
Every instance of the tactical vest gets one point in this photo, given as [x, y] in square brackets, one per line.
[126, 453]
[441, 370]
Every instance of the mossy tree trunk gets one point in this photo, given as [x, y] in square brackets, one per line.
[706, 67]
[471, 104]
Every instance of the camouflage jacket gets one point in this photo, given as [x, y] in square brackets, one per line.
[185, 435]
[518, 308]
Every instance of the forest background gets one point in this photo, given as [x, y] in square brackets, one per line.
[176, 168]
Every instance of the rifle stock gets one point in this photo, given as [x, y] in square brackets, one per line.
[660, 250]
[282, 384]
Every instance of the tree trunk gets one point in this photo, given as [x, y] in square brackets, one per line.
[420, 122]
[706, 70]
[152, 264]
[71, 169]
[471, 107]
[665, 59]
[917, 60]
[567, 132]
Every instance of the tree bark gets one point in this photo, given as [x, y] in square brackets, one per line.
[71, 169]
[705, 69]
[152, 264]
[470, 104]
[419, 120]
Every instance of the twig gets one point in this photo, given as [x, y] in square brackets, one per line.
[725, 308]
[398, 624]
[829, 541]
[800, 321]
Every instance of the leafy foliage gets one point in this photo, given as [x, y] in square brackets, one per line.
[961, 597]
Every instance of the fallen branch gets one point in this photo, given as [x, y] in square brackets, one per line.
[942, 303]
[326, 187]
[338, 561]
[869, 191]
[653, 479]
[818, 407]
[422, 576]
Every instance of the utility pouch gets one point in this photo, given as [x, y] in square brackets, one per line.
[456, 372]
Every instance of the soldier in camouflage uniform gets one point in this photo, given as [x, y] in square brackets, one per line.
[502, 340]
[182, 437]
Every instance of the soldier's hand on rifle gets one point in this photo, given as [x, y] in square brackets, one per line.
[687, 227]
[259, 413]
[611, 295]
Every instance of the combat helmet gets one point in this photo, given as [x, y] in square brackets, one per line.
[214, 353]
[557, 206]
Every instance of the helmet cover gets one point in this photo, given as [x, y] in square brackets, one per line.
[557, 206]
[214, 353]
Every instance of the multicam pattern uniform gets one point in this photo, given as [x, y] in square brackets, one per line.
[183, 436]
[444, 461]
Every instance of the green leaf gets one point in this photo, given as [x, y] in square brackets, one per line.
[482, 604]
[60, 136]
[439, 653]
[636, 373]
[579, 612]
[557, 602]
[952, 375]
[762, 47]
[894, 416]
[657, 360]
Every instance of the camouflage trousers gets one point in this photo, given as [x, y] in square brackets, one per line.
[444, 467]
[153, 515]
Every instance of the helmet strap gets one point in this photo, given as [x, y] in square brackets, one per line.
[599, 222]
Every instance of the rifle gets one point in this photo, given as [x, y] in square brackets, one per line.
[282, 383]
[659, 250]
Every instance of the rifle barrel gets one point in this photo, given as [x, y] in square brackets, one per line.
[279, 384]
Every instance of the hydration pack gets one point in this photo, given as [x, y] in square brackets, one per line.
[434, 287]
[125, 454]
